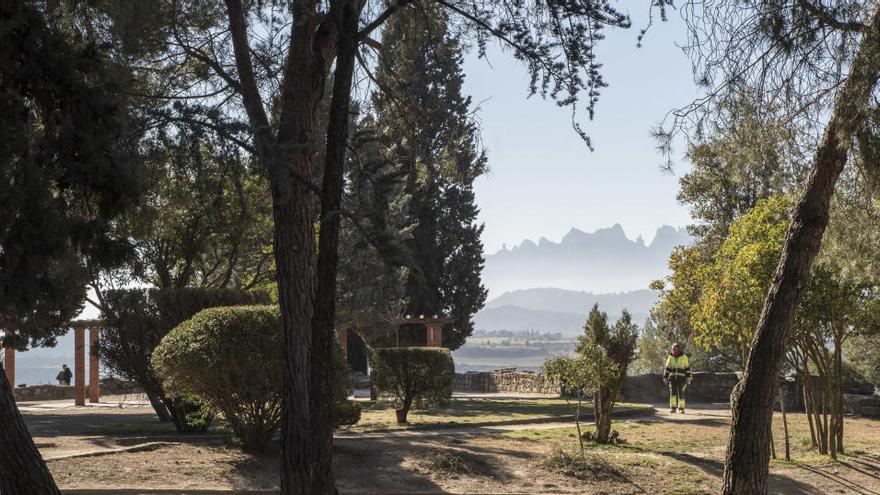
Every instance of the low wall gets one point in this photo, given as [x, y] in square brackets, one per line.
[705, 387]
[505, 380]
[649, 388]
[109, 386]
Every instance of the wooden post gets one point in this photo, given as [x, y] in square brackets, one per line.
[342, 337]
[94, 383]
[435, 335]
[79, 365]
[9, 364]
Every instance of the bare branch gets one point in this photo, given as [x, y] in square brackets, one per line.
[829, 20]
[249, 91]
[381, 18]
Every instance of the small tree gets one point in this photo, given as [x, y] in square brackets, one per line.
[600, 370]
[414, 374]
[579, 377]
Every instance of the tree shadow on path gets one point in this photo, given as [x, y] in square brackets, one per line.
[779, 483]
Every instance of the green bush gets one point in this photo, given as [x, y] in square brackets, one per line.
[346, 413]
[413, 374]
[136, 320]
[230, 358]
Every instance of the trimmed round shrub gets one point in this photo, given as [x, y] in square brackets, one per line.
[422, 375]
[136, 320]
[229, 357]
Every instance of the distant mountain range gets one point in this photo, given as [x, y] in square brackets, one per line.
[558, 310]
[602, 261]
[543, 286]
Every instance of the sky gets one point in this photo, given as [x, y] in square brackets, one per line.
[543, 179]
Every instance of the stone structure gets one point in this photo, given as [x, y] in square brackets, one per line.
[433, 330]
[79, 365]
[649, 388]
[862, 405]
[110, 386]
[706, 387]
[505, 380]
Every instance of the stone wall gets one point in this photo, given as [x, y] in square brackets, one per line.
[509, 380]
[649, 388]
[109, 386]
[862, 405]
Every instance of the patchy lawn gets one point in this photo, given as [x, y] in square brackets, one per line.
[663, 454]
[465, 411]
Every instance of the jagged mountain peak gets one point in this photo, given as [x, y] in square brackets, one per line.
[604, 260]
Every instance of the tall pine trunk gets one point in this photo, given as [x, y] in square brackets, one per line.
[324, 319]
[746, 465]
[288, 156]
[22, 469]
[295, 219]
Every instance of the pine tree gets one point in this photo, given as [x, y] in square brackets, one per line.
[68, 167]
[424, 123]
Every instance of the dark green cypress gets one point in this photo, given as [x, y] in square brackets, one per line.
[424, 123]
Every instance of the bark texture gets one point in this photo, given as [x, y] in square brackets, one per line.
[346, 14]
[288, 155]
[748, 450]
[22, 469]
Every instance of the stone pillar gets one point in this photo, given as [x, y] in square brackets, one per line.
[9, 364]
[79, 366]
[342, 337]
[94, 383]
[435, 335]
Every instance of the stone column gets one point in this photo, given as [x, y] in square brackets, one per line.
[79, 366]
[435, 335]
[9, 364]
[94, 383]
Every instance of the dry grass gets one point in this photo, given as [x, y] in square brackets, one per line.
[465, 411]
[676, 455]
[585, 466]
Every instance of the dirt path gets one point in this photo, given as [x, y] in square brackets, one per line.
[664, 454]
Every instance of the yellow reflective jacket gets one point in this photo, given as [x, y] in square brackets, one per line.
[677, 366]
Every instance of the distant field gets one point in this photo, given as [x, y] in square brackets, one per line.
[484, 352]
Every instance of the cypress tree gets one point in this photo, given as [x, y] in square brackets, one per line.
[424, 123]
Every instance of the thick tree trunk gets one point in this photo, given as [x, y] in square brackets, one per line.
[294, 248]
[287, 156]
[324, 319]
[22, 470]
[746, 466]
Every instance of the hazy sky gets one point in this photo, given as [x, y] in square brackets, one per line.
[543, 180]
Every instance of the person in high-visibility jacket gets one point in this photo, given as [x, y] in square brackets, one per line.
[678, 376]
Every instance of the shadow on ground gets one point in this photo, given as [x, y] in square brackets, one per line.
[779, 483]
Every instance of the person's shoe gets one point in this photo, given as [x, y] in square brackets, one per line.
[672, 410]
[681, 410]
